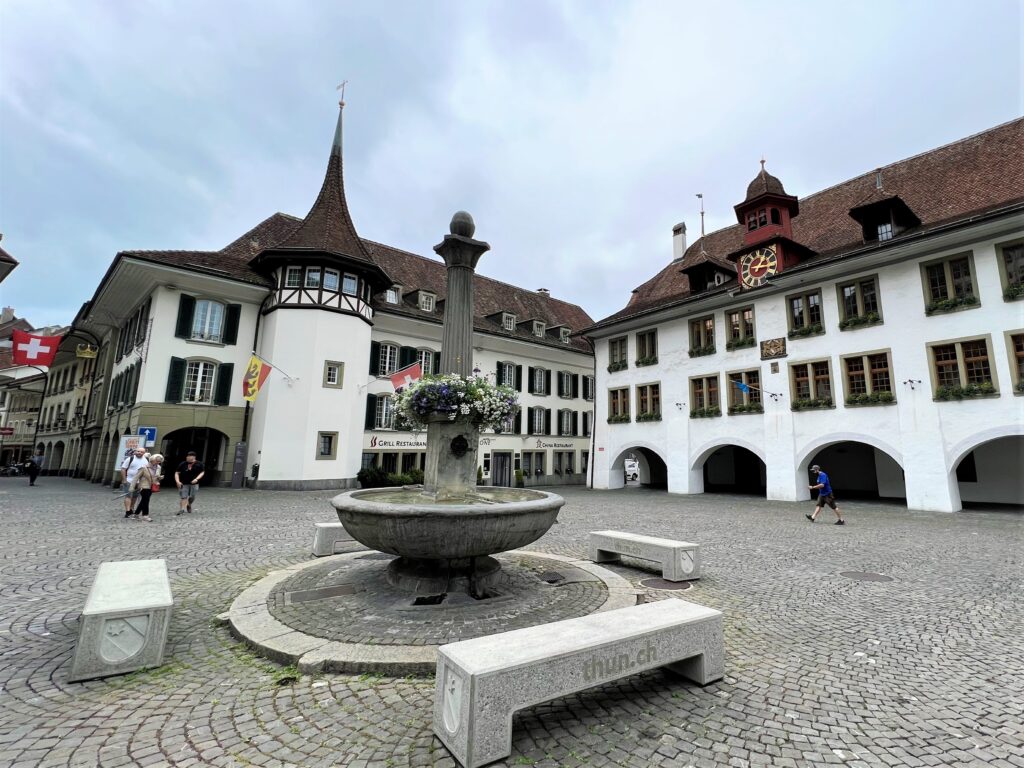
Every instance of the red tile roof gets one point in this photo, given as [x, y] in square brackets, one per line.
[975, 175]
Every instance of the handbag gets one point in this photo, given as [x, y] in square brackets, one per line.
[155, 486]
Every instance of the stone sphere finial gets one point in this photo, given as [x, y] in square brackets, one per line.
[462, 224]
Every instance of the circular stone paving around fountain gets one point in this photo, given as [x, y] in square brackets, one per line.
[339, 614]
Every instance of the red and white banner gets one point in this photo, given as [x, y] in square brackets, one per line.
[31, 349]
[406, 376]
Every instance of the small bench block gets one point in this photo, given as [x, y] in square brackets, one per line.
[327, 538]
[123, 627]
[680, 560]
[482, 682]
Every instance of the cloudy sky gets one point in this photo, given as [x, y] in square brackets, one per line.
[576, 133]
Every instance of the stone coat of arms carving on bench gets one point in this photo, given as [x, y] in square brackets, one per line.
[123, 638]
[452, 708]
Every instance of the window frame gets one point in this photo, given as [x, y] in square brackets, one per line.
[863, 316]
[587, 384]
[508, 321]
[808, 328]
[333, 454]
[214, 367]
[812, 401]
[648, 394]
[426, 301]
[746, 337]
[618, 405]
[698, 327]
[382, 368]
[961, 366]
[707, 407]
[565, 334]
[425, 357]
[328, 273]
[1016, 359]
[864, 398]
[340, 382]
[207, 338]
[317, 284]
[618, 353]
[384, 412]
[646, 347]
[299, 273]
[539, 383]
[565, 384]
[951, 302]
[738, 401]
[537, 412]
[1011, 291]
[346, 278]
[539, 328]
[394, 291]
[565, 422]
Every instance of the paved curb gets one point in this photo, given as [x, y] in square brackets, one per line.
[251, 622]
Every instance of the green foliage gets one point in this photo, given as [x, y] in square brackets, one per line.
[871, 398]
[648, 417]
[702, 351]
[479, 475]
[416, 476]
[1014, 292]
[519, 478]
[947, 305]
[984, 389]
[705, 413]
[375, 477]
[815, 329]
[732, 344]
[642, 361]
[810, 403]
[858, 321]
[619, 366]
[746, 408]
[622, 418]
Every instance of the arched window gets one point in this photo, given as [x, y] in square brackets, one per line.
[426, 360]
[388, 359]
[776, 216]
[208, 321]
[199, 378]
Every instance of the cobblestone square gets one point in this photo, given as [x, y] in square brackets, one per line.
[821, 669]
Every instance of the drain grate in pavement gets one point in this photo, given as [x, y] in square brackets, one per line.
[551, 577]
[321, 593]
[865, 576]
[662, 584]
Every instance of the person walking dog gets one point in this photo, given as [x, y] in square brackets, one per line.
[825, 496]
[187, 477]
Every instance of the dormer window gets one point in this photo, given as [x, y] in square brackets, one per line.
[885, 231]
[885, 218]
[538, 328]
[508, 321]
[427, 301]
[564, 334]
[393, 295]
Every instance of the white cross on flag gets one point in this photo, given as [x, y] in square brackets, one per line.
[30, 349]
[406, 376]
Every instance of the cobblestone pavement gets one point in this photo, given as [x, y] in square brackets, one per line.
[821, 669]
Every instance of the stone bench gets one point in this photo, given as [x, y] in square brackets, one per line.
[124, 625]
[327, 538]
[481, 682]
[680, 560]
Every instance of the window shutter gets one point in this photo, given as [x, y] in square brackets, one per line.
[117, 347]
[547, 421]
[575, 385]
[547, 384]
[517, 422]
[575, 423]
[135, 383]
[222, 387]
[529, 380]
[186, 307]
[374, 357]
[175, 380]
[233, 315]
[498, 374]
[406, 356]
[371, 410]
[519, 378]
[437, 363]
[561, 389]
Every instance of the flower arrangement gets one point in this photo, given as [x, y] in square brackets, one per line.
[473, 398]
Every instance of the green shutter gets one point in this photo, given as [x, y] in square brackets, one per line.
[437, 363]
[407, 356]
[371, 411]
[517, 424]
[561, 389]
[575, 385]
[222, 387]
[547, 383]
[498, 374]
[175, 380]
[547, 421]
[519, 378]
[374, 357]
[186, 307]
[233, 314]
[529, 380]
[575, 423]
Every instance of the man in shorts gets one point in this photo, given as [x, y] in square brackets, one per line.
[187, 477]
[824, 488]
[129, 469]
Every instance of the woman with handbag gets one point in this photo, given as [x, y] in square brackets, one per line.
[147, 482]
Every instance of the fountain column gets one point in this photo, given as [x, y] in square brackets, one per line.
[450, 472]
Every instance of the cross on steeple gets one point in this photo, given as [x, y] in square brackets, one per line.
[341, 102]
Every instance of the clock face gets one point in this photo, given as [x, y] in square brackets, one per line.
[757, 266]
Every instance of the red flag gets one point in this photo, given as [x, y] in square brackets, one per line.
[255, 374]
[31, 349]
[406, 376]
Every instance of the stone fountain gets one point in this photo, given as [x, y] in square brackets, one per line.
[445, 531]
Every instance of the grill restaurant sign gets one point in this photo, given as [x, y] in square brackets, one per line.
[416, 442]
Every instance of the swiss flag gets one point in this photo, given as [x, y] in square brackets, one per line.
[30, 349]
[406, 376]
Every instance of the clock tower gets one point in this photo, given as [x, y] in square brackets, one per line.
[768, 246]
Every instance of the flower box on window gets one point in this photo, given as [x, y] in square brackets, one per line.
[814, 329]
[871, 398]
[705, 413]
[985, 389]
[749, 341]
[642, 361]
[859, 321]
[648, 417]
[619, 366]
[622, 418]
[1014, 292]
[1020, 387]
[810, 403]
[948, 305]
[702, 351]
[746, 408]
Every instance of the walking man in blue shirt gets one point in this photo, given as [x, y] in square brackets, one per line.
[824, 488]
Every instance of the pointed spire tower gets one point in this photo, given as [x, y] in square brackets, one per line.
[310, 434]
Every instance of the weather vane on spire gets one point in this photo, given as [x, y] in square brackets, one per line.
[341, 101]
[700, 196]
[762, 163]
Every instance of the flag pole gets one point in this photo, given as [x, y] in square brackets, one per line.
[774, 395]
[274, 366]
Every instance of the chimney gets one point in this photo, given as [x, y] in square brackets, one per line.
[6, 314]
[543, 291]
[678, 241]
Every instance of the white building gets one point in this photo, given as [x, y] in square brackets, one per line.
[876, 328]
[334, 314]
